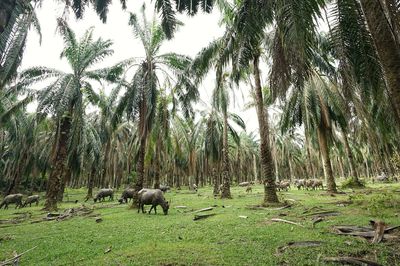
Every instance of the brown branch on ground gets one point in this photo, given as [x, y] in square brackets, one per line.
[15, 259]
[351, 261]
[68, 213]
[323, 213]
[312, 208]
[377, 232]
[255, 207]
[204, 209]
[22, 216]
[286, 221]
[202, 216]
[340, 202]
[281, 249]
[317, 220]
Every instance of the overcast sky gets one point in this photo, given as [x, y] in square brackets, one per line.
[197, 33]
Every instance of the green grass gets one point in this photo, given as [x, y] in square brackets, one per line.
[224, 239]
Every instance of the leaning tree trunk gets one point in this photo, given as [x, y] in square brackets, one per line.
[270, 195]
[326, 161]
[59, 165]
[142, 151]
[387, 48]
[226, 187]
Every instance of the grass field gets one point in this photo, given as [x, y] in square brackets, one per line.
[224, 239]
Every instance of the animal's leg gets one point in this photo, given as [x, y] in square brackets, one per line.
[151, 208]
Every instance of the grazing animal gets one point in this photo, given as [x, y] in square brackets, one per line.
[153, 197]
[164, 188]
[12, 198]
[299, 183]
[283, 185]
[317, 184]
[31, 199]
[249, 189]
[308, 184]
[244, 184]
[103, 193]
[382, 177]
[126, 195]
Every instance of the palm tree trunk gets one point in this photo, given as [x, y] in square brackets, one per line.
[59, 165]
[215, 180]
[157, 163]
[16, 180]
[90, 184]
[353, 171]
[64, 182]
[276, 165]
[106, 165]
[387, 49]
[142, 151]
[6, 8]
[270, 195]
[290, 168]
[310, 165]
[326, 161]
[226, 190]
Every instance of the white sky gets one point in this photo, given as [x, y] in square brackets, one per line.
[197, 33]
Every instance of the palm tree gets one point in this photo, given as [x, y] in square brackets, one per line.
[221, 102]
[316, 106]
[63, 98]
[140, 98]
[249, 22]
[383, 23]
[218, 128]
[13, 33]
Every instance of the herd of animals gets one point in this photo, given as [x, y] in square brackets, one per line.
[146, 196]
[156, 197]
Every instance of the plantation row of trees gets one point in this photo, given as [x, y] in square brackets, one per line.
[337, 94]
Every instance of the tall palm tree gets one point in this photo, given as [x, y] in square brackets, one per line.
[249, 22]
[63, 98]
[140, 98]
[221, 102]
[316, 106]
